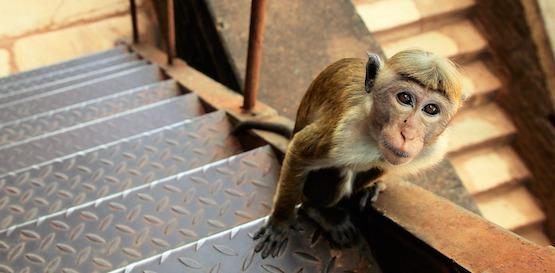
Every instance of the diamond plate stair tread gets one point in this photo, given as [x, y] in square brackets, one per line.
[146, 221]
[69, 81]
[41, 71]
[306, 251]
[122, 165]
[61, 75]
[74, 94]
[73, 115]
[102, 131]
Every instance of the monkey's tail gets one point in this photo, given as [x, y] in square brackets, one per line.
[280, 129]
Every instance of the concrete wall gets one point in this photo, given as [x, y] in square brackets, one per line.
[34, 33]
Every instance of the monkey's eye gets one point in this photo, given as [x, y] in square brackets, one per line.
[404, 98]
[431, 109]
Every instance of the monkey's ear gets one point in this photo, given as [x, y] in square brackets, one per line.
[372, 67]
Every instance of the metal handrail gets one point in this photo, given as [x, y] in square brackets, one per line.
[170, 34]
[134, 24]
[254, 57]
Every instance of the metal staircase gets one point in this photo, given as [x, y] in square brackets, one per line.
[106, 164]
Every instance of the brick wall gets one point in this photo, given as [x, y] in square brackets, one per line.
[34, 33]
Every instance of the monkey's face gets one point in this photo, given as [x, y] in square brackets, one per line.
[406, 117]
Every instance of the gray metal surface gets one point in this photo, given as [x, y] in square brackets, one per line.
[145, 221]
[231, 251]
[63, 74]
[87, 135]
[116, 167]
[78, 93]
[67, 82]
[73, 115]
[41, 71]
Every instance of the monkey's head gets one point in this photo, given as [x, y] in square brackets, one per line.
[414, 96]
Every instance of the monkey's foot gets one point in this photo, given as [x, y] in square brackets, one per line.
[343, 235]
[336, 224]
[272, 236]
[364, 199]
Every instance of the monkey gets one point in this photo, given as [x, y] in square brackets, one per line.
[359, 124]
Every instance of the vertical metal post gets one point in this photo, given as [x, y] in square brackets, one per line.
[254, 58]
[171, 32]
[133, 8]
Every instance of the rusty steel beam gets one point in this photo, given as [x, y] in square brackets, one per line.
[133, 8]
[171, 32]
[470, 241]
[254, 57]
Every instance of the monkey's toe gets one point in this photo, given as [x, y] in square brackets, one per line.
[272, 238]
[343, 235]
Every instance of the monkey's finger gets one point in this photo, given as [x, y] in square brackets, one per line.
[333, 245]
[275, 250]
[296, 226]
[363, 201]
[349, 235]
[259, 233]
[260, 245]
[268, 249]
[353, 232]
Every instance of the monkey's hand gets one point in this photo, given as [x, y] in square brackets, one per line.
[272, 236]
[367, 196]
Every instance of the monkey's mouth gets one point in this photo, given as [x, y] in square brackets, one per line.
[394, 150]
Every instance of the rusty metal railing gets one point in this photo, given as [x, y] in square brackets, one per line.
[170, 31]
[254, 57]
[169, 34]
[133, 7]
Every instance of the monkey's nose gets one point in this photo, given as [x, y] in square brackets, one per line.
[408, 135]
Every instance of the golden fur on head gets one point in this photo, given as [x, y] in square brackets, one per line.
[430, 70]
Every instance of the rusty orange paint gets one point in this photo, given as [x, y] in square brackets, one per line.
[469, 240]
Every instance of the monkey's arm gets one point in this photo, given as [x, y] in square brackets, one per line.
[289, 191]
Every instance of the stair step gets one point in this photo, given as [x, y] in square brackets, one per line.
[489, 168]
[146, 220]
[513, 208]
[59, 75]
[54, 85]
[73, 115]
[460, 41]
[115, 167]
[478, 127]
[390, 20]
[536, 234]
[42, 71]
[79, 93]
[233, 251]
[99, 132]
[480, 83]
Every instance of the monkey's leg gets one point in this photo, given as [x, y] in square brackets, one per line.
[323, 190]
[288, 195]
